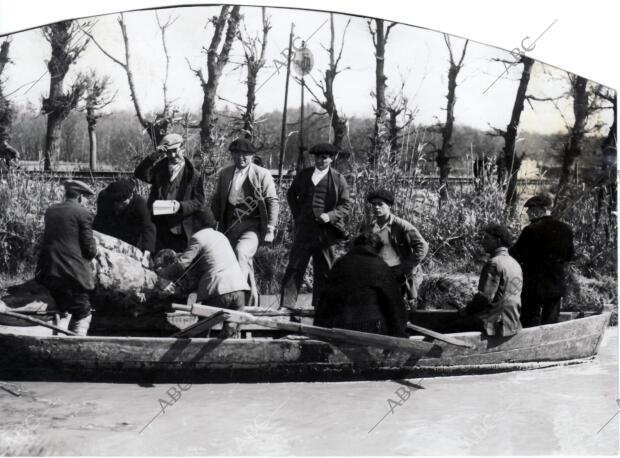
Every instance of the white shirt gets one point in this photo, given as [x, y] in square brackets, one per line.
[387, 253]
[175, 170]
[318, 175]
[235, 195]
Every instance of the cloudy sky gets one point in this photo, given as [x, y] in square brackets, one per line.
[415, 56]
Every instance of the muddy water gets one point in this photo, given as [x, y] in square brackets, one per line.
[549, 411]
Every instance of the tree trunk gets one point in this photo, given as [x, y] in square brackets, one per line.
[380, 87]
[572, 148]
[445, 153]
[52, 140]
[512, 162]
[92, 138]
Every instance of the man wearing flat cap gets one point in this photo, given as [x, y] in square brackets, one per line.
[125, 215]
[319, 202]
[68, 246]
[403, 247]
[174, 181]
[543, 249]
[245, 204]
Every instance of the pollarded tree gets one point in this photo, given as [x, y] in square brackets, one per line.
[224, 33]
[67, 44]
[7, 112]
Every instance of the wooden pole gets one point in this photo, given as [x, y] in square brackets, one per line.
[37, 322]
[283, 134]
[300, 157]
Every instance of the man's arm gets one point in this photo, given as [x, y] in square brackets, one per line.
[270, 195]
[343, 204]
[147, 227]
[197, 201]
[88, 246]
[487, 288]
[216, 198]
[144, 170]
[418, 249]
[292, 196]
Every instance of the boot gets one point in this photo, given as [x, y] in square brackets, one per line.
[80, 327]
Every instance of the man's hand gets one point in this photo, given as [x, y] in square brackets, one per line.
[324, 218]
[269, 235]
[146, 260]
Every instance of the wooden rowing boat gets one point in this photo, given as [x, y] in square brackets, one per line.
[281, 358]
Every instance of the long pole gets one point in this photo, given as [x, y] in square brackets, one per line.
[283, 134]
[300, 156]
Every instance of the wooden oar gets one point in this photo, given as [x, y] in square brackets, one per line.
[37, 322]
[333, 334]
[438, 336]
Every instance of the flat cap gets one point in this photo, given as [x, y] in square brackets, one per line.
[383, 194]
[78, 186]
[171, 141]
[324, 148]
[120, 190]
[241, 145]
[543, 199]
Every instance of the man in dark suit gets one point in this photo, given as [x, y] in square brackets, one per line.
[124, 214]
[542, 249]
[362, 293]
[176, 190]
[319, 201]
[68, 247]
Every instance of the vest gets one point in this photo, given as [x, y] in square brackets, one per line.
[313, 204]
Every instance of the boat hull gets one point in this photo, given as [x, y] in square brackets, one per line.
[150, 360]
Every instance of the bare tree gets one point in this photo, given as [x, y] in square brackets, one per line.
[217, 58]
[399, 118]
[157, 128]
[97, 96]
[7, 152]
[337, 121]
[64, 39]
[379, 36]
[444, 154]
[254, 51]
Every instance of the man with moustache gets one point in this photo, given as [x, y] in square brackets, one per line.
[319, 202]
[174, 179]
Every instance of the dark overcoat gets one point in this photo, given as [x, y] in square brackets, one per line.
[132, 225]
[190, 193]
[542, 250]
[362, 289]
[68, 246]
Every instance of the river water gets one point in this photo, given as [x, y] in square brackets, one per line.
[549, 411]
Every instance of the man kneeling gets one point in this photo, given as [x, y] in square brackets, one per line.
[362, 294]
[209, 254]
[496, 307]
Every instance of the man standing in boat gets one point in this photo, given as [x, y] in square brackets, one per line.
[496, 307]
[245, 204]
[543, 249]
[177, 192]
[319, 202]
[403, 247]
[68, 247]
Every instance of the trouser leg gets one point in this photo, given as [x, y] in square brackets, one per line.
[73, 300]
[245, 249]
[551, 311]
[233, 301]
[323, 258]
[299, 257]
[531, 309]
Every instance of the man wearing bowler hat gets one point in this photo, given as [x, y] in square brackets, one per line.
[319, 202]
[245, 204]
[403, 248]
[175, 182]
[68, 247]
[543, 249]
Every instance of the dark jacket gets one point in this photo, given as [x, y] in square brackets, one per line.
[498, 300]
[542, 250]
[362, 289]
[337, 202]
[190, 193]
[67, 247]
[132, 225]
[411, 249]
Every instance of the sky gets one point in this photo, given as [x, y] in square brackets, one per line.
[415, 56]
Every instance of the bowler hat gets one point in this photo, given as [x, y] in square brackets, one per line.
[78, 186]
[324, 148]
[383, 194]
[241, 145]
[542, 199]
[171, 141]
